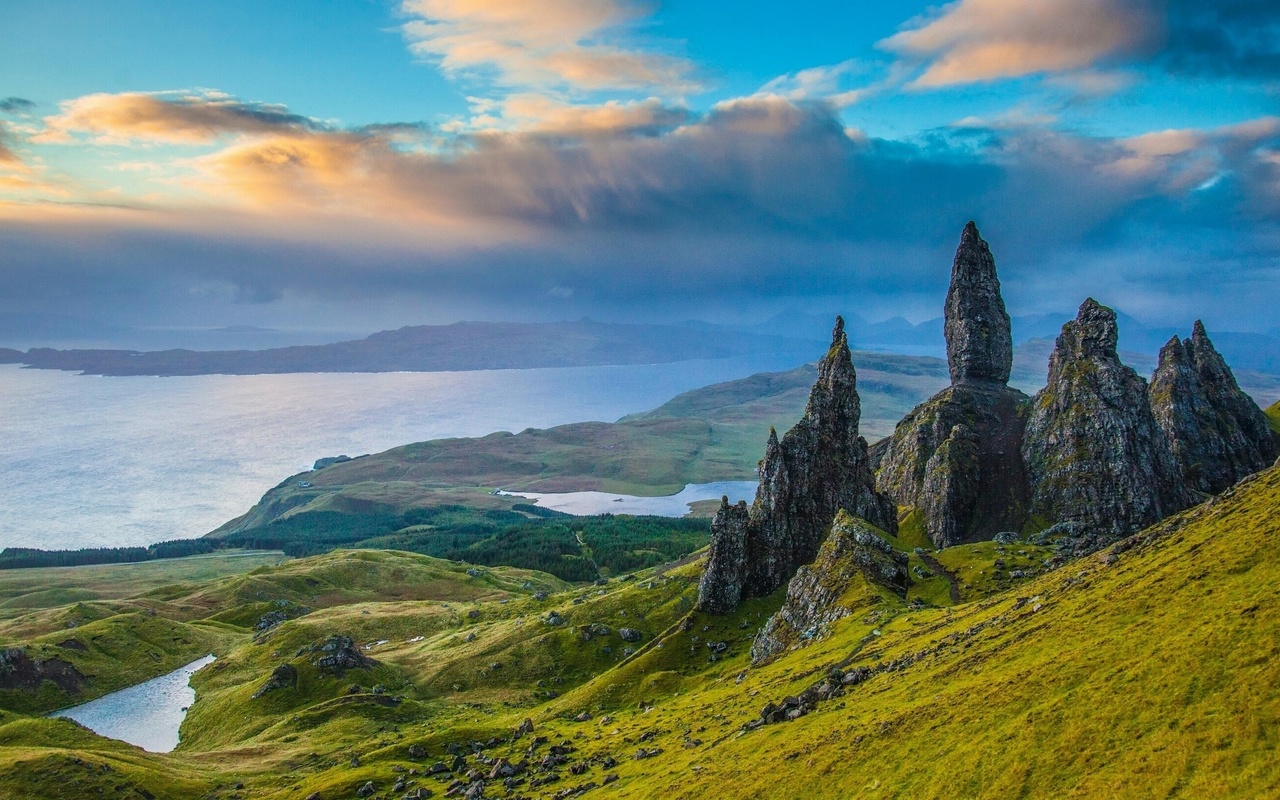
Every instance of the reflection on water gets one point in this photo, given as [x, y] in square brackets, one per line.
[147, 715]
[675, 505]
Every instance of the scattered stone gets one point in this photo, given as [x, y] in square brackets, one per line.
[417, 752]
[630, 635]
[367, 790]
[337, 654]
[553, 618]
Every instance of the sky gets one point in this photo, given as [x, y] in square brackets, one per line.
[367, 164]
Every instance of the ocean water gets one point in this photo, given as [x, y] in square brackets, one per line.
[674, 505]
[88, 461]
[147, 714]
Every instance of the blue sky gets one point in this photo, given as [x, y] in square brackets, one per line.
[389, 163]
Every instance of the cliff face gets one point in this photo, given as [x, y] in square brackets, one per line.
[818, 468]
[957, 456]
[843, 579]
[1094, 454]
[720, 588]
[1216, 432]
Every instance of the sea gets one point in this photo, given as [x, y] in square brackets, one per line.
[92, 461]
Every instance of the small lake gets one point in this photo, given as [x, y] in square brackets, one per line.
[675, 505]
[147, 715]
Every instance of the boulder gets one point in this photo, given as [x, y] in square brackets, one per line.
[337, 654]
[284, 676]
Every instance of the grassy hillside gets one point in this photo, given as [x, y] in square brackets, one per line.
[710, 434]
[1273, 416]
[1147, 670]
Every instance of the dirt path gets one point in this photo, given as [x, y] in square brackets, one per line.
[937, 567]
[586, 551]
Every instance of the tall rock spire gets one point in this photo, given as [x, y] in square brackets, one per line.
[956, 457]
[979, 341]
[1218, 435]
[1094, 454]
[819, 467]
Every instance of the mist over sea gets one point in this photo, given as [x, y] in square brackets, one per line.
[102, 462]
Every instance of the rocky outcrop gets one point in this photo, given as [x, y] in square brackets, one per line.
[19, 671]
[1095, 457]
[284, 676]
[721, 586]
[976, 325]
[851, 563]
[818, 468]
[1216, 433]
[957, 456]
[337, 654]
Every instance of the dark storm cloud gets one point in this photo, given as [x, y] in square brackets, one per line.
[760, 201]
[10, 105]
[1228, 38]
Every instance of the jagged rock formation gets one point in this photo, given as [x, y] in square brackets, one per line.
[1095, 457]
[957, 457]
[834, 586]
[721, 586]
[818, 468]
[1216, 432]
[979, 337]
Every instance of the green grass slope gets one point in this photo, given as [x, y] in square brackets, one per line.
[1273, 416]
[1148, 670]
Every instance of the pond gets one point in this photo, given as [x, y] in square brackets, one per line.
[674, 505]
[147, 715]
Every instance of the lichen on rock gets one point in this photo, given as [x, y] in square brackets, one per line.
[957, 456]
[1217, 434]
[1093, 451]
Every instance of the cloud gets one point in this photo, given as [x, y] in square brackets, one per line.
[572, 44]
[1082, 42]
[826, 83]
[15, 105]
[7, 155]
[195, 117]
[1231, 38]
[983, 40]
[539, 114]
[761, 199]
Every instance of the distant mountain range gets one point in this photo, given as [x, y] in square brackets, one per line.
[514, 345]
[434, 348]
[1259, 352]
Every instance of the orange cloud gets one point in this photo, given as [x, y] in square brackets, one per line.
[573, 43]
[983, 40]
[173, 118]
[535, 113]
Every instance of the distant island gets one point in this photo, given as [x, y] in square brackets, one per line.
[431, 348]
